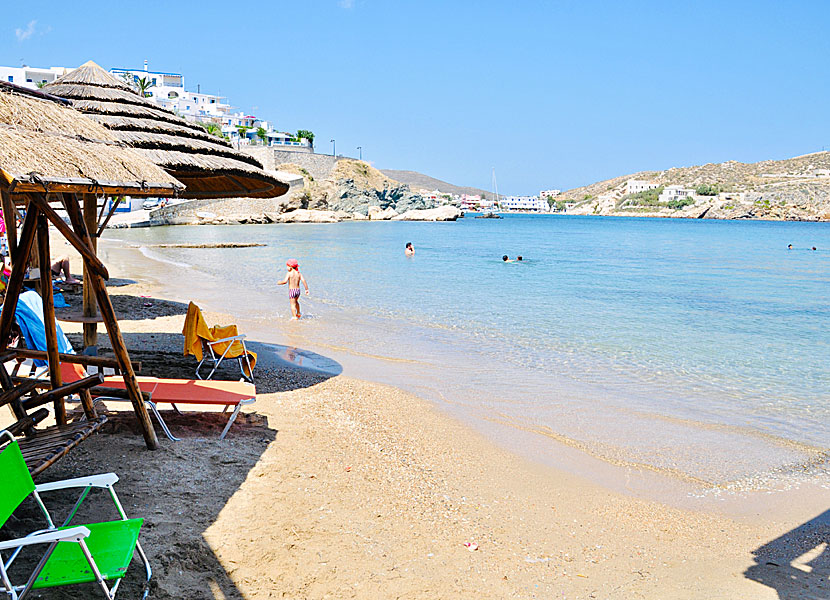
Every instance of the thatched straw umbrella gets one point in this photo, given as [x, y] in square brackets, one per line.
[51, 153]
[209, 166]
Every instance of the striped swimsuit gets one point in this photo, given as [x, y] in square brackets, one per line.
[293, 293]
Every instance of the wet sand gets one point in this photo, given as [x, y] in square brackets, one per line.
[332, 487]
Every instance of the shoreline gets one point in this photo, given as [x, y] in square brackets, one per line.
[276, 338]
[373, 490]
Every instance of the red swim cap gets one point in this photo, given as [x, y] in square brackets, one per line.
[292, 262]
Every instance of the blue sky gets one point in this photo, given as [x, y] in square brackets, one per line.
[551, 94]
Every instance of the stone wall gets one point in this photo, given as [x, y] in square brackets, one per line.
[318, 165]
[230, 208]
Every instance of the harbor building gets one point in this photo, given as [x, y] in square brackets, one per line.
[524, 204]
[549, 193]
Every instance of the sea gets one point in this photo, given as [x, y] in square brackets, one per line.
[692, 350]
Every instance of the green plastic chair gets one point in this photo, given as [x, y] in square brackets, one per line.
[95, 553]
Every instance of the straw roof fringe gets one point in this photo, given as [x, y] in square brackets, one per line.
[158, 113]
[42, 136]
[131, 123]
[207, 165]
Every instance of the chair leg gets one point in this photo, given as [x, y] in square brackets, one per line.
[37, 571]
[148, 570]
[233, 416]
[98, 577]
[164, 427]
[199, 366]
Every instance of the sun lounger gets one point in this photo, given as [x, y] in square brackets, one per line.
[215, 344]
[229, 394]
[93, 553]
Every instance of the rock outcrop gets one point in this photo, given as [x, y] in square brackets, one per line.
[354, 187]
[442, 213]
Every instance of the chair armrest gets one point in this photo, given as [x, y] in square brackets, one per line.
[73, 534]
[100, 481]
[230, 339]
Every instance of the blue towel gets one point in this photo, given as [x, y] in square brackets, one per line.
[59, 301]
[29, 316]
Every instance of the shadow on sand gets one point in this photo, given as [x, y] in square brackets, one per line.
[180, 489]
[797, 564]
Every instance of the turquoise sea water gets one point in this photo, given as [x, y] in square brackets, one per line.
[698, 348]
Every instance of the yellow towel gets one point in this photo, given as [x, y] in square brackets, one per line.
[195, 330]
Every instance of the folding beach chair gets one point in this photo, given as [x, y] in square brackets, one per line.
[215, 344]
[94, 553]
[229, 394]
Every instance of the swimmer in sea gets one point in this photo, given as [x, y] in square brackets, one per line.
[294, 278]
[409, 250]
[505, 259]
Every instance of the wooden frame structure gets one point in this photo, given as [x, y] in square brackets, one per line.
[52, 157]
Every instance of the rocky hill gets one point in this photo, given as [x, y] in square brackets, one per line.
[353, 187]
[795, 189]
[419, 181]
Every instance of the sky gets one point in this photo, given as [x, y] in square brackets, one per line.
[550, 94]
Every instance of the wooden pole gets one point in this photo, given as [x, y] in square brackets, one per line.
[19, 260]
[9, 219]
[20, 257]
[89, 256]
[90, 307]
[119, 348]
[49, 315]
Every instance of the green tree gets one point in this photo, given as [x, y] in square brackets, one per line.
[305, 133]
[212, 129]
[707, 190]
[40, 84]
[262, 134]
[243, 131]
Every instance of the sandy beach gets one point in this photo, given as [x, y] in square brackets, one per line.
[332, 487]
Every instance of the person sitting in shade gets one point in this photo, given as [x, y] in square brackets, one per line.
[61, 265]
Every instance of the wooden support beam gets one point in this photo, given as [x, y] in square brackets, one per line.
[78, 359]
[49, 315]
[17, 392]
[90, 306]
[15, 284]
[85, 250]
[103, 225]
[119, 348]
[9, 219]
[26, 423]
[61, 392]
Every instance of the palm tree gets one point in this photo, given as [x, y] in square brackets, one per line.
[213, 129]
[40, 84]
[143, 84]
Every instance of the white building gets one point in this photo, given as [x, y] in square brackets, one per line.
[635, 186]
[675, 192]
[549, 193]
[168, 91]
[30, 76]
[524, 203]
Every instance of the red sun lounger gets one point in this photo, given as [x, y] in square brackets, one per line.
[177, 391]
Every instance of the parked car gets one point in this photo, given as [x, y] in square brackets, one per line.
[152, 203]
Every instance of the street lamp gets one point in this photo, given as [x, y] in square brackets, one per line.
[360, 149]
[333, 148]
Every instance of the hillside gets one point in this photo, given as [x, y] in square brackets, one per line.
[796, 189]
[419, 181]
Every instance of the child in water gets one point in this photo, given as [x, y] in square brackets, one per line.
[293, 278]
